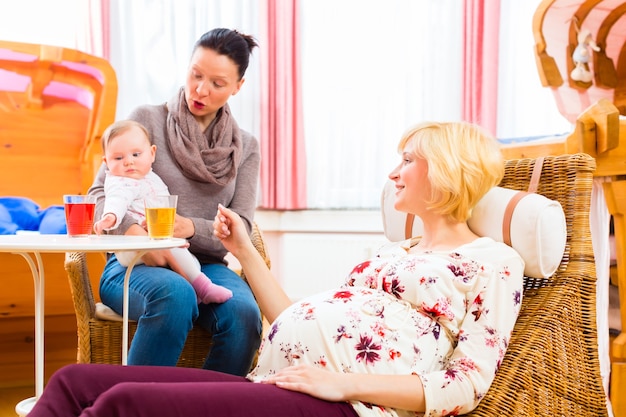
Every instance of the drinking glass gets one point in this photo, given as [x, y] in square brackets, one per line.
[160, 214]
[79, 212]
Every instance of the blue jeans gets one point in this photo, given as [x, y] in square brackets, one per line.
[165, 307]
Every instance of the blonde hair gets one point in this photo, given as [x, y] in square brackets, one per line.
[119, 127]
[464, 162]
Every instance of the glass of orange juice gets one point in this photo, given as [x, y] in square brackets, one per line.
[79, 212]
[160, 213]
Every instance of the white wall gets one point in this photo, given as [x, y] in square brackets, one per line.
[314, 250]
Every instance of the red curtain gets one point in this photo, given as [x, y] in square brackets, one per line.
[105, 10]
[480, 59]
[283, 167]
[96, 38]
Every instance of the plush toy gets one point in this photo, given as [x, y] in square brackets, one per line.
[581, 57]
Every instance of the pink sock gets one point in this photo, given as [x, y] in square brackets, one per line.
[208, 292]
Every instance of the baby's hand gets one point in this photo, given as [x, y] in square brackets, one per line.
[106, 222]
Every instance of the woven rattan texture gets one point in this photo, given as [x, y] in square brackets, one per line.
[551, 367]
[100, 341]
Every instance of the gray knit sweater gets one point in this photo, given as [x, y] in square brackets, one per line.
[196, 200]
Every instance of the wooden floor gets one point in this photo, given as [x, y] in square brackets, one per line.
[10, 396]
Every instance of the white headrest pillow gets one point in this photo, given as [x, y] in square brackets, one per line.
[538, 230]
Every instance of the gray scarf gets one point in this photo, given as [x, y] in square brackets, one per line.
[211, 157]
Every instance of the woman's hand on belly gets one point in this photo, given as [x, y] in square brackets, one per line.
[307, 379]
[404, 392]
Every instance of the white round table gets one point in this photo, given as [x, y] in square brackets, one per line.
[31, 245]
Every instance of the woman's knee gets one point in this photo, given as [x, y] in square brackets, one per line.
[152, 291]
[174, 303]
[123, 399]
[72, 373]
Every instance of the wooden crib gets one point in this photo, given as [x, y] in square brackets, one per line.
[596, 105]
[601, 133]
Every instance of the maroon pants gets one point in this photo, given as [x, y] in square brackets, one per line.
[137, 391]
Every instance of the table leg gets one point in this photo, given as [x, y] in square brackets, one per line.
[129, 269]
[24, 407]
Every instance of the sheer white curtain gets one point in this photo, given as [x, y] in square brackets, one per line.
[525, 108]
[372, 68]
[72, 24]
[152, 40]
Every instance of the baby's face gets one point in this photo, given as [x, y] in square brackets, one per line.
[130, 154]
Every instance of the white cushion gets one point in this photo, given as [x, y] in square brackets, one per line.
[104, 312]
[538, 230]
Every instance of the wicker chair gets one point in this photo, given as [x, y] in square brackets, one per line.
[551, 367]
[100, 341]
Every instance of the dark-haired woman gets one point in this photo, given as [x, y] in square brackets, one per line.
[205, 159]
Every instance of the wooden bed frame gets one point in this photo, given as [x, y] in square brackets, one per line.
[54, 105]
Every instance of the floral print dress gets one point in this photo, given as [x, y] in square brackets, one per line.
[444, 316]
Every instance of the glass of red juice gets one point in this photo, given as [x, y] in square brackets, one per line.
[79, 212]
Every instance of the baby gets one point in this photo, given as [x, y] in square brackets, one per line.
[128, 155]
